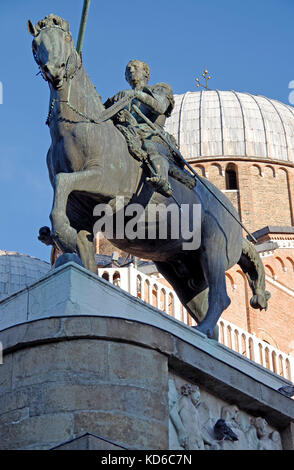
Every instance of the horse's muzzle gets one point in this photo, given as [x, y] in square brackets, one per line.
[57, 83]
[55, 75]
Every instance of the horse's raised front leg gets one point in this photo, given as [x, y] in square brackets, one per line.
[64, 184]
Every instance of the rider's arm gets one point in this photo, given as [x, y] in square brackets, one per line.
[159, 103]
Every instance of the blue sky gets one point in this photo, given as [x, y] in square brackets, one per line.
[245, 45]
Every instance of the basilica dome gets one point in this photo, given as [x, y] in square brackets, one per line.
[18, 271]
[222, 124]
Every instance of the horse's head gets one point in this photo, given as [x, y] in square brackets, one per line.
[53, 49]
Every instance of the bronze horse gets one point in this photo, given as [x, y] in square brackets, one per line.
[89, 163]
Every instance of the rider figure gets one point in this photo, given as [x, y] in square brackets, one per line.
[156, 103]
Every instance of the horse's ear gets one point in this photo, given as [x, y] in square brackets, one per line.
[31, 28]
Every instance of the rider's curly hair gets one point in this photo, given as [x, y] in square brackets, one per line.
[145, 68]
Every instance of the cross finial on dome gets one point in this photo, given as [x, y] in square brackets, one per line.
[206, 78]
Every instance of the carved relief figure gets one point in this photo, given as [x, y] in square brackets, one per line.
[262, 438]
[186, 418]
[231, 414]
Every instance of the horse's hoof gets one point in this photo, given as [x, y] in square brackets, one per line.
[259, 300]
[206, 330]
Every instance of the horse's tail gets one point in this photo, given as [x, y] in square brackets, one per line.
[252, 267]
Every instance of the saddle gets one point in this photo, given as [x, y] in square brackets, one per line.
[134, 136]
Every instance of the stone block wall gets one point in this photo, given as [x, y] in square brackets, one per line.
[70, 377]
[100, 363]
[275, 325]
[55, 391]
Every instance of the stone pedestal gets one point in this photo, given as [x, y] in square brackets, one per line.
[83, 358]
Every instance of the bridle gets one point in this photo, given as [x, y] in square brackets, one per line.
[68, 77]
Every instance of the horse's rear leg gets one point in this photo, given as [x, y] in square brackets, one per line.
[191, 289]
[192, 294]
[218, 300]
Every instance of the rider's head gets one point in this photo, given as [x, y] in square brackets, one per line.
[137, 73]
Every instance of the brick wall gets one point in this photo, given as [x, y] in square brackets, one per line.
[276, 325]
[265, 193]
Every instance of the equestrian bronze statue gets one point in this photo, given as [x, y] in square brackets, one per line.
[90, 162]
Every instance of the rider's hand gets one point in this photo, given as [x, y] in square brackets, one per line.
[122, 94]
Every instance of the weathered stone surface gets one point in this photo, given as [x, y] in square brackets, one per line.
[138, 366]
[29, 332]
[288, 437]
[59, 361]
[24, 397]
[129, 431]
[14, 309]
[36, 431]
[6, 374]
[136, 401]
[14, 416]
[63, 375]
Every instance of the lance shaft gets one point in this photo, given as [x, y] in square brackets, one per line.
[175, 150]
[82, 26]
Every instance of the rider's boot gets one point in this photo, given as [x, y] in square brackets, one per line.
[160, 180]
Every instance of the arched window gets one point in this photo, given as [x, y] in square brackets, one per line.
[281, 368]
[221, 333]
[267, 358]
[116, 279]
[231, 177]
[139, 287]
[171, 305]
[162, 300]
[251, 350]
[189, 320]
[229, 337]
[182, 313]
[274, 360]
[243, 345]
[236, 341]
[154, 295]
[105, 276]
[260, 354]
[147, 291]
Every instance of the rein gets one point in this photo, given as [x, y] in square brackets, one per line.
[104, 115]
[67, 101]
